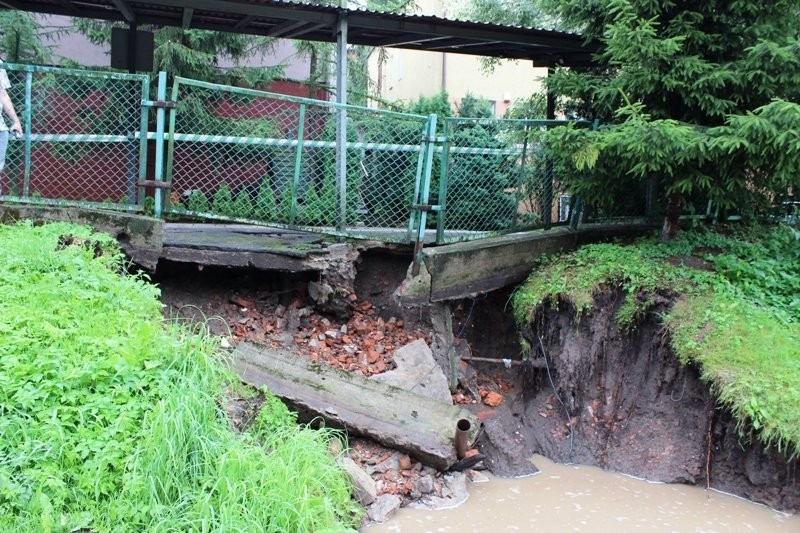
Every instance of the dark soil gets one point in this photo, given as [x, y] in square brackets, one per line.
[615, 399]
[622, 401]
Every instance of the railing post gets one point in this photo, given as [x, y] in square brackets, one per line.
[159, 163]
[26, 180]
[171, 135]
[412, 213]
[443, 184]
[298, 160]
[145, 112]
[430, 143]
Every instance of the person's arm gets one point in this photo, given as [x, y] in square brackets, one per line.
[8, 109]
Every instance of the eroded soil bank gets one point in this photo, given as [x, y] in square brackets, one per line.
[621, 400]
[618, 400]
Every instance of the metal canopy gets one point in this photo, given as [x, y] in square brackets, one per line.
[298, 20]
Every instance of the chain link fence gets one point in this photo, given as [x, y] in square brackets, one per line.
[249, 155]
[84, 137]
[244, 154]
[495, 177]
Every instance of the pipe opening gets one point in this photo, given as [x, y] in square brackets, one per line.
[463, 427]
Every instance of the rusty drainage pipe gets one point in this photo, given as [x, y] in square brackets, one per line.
[463, 427]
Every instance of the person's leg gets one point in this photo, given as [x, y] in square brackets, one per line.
[3, 146]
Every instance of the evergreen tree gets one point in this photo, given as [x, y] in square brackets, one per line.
[21, 38]
[195, 53]
[693, 95]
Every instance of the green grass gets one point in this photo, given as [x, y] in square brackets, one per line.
[740, 322]
[751, 359]
[110, 419]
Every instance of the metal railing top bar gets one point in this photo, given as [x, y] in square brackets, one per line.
[481, 151]
[288, 98]
[269, 141]
[79, 137]
[76, 72]
[521, 122]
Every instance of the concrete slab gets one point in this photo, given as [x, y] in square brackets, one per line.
[421, 426]
[466, 269]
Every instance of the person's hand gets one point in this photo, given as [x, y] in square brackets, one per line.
[16, 128]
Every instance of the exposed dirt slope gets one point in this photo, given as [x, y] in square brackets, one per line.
[633, 408]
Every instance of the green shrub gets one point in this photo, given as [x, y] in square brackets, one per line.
[265, 202]
[223, 201]
[198, 202]
[242, 207]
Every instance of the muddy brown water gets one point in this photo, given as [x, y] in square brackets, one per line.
[580, 498]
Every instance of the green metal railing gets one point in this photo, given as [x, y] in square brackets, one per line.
[495, 177]
[84, 137]
[230, 153]
[246, 154]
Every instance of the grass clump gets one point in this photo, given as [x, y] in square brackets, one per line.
[110, 420]
[738, 318]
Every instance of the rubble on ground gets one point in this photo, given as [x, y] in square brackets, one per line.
[384, 479]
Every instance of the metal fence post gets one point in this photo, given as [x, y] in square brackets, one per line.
[298, 160]
[443, 184]
[415, 197]
[171, 134]
[160, 119]
[28, 114]
[430, 143]
[145, 112]
[520, 184]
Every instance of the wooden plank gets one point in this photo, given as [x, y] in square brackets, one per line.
[418, 425]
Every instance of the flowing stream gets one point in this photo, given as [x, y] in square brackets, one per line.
[580, 498]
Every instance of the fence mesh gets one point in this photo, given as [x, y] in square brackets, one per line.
[239, 153]
[494, 177]
[83, 136]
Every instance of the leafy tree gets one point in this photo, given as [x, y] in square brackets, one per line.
[532, 108]
[242, 206]
[694, 97]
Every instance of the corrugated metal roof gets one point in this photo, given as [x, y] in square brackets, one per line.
[294, 19]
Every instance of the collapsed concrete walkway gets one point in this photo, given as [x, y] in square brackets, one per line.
[419, 425]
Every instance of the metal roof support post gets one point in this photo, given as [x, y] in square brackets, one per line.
[547, 192]
[341, 120]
